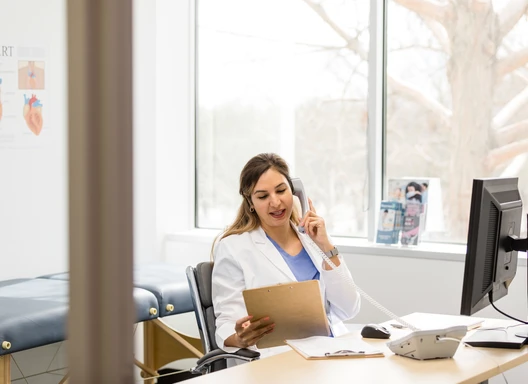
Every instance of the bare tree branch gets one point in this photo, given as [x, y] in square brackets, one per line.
[521, 71]
[440, 33]
[351, 42]
[505, 153]
[430, 9]
[413, 93]
[415, 46]
[514, 168]
[512, 62]
[252, 36]
[510, 15]
[510, 109]
[512, 132]
[522, 74]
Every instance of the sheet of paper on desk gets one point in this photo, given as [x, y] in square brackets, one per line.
[440, 321]
[321, 347]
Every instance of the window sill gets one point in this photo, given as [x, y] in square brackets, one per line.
[349, 245]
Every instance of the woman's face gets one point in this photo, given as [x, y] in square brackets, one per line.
[272, 199]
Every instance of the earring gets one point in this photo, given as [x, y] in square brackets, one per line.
[251, 209]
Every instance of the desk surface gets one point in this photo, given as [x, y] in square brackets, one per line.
[469, 365]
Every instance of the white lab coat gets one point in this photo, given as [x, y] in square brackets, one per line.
[250, 260]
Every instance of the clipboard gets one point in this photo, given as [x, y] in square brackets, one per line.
[296, 308]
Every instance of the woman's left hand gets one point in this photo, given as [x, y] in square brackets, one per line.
[315, 227]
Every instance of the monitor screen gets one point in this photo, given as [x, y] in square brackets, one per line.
[491, 263]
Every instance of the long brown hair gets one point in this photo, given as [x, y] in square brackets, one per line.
[247, 220]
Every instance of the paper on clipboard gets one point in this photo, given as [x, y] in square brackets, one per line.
[318, 347]
[296, 308]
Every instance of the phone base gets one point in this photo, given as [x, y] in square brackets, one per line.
[429, 344]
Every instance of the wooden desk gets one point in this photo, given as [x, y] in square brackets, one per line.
[469, 365]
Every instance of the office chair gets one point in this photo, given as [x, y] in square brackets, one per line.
[214, 359]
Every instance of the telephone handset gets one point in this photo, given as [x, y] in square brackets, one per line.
[298, 190]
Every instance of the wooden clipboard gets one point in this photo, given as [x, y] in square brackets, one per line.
[296, 308]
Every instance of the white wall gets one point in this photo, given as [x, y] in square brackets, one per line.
[145, 129]
[33, 194]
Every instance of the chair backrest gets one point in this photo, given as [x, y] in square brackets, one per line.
[200, 282]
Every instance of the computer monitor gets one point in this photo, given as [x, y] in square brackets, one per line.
[493, 243]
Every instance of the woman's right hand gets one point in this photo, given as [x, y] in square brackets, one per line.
[248, 333]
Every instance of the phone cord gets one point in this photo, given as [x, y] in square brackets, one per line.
[360, 291]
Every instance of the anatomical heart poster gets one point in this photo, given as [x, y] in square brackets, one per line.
[24, 95]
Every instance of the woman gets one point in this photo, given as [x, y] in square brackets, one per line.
[264, 247]
[413, 191]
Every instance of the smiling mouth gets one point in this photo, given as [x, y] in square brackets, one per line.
[278, 214]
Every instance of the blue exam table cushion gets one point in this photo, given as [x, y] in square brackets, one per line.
[143, 299]
[166, 281]
[32, 313]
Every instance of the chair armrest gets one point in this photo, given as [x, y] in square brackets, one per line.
[254, 355]
[203, 363]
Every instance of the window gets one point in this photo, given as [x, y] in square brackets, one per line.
[292, 77]
[287, 77]
[457, 97]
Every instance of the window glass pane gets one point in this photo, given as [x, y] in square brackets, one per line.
[288, 77]
[457, 100]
